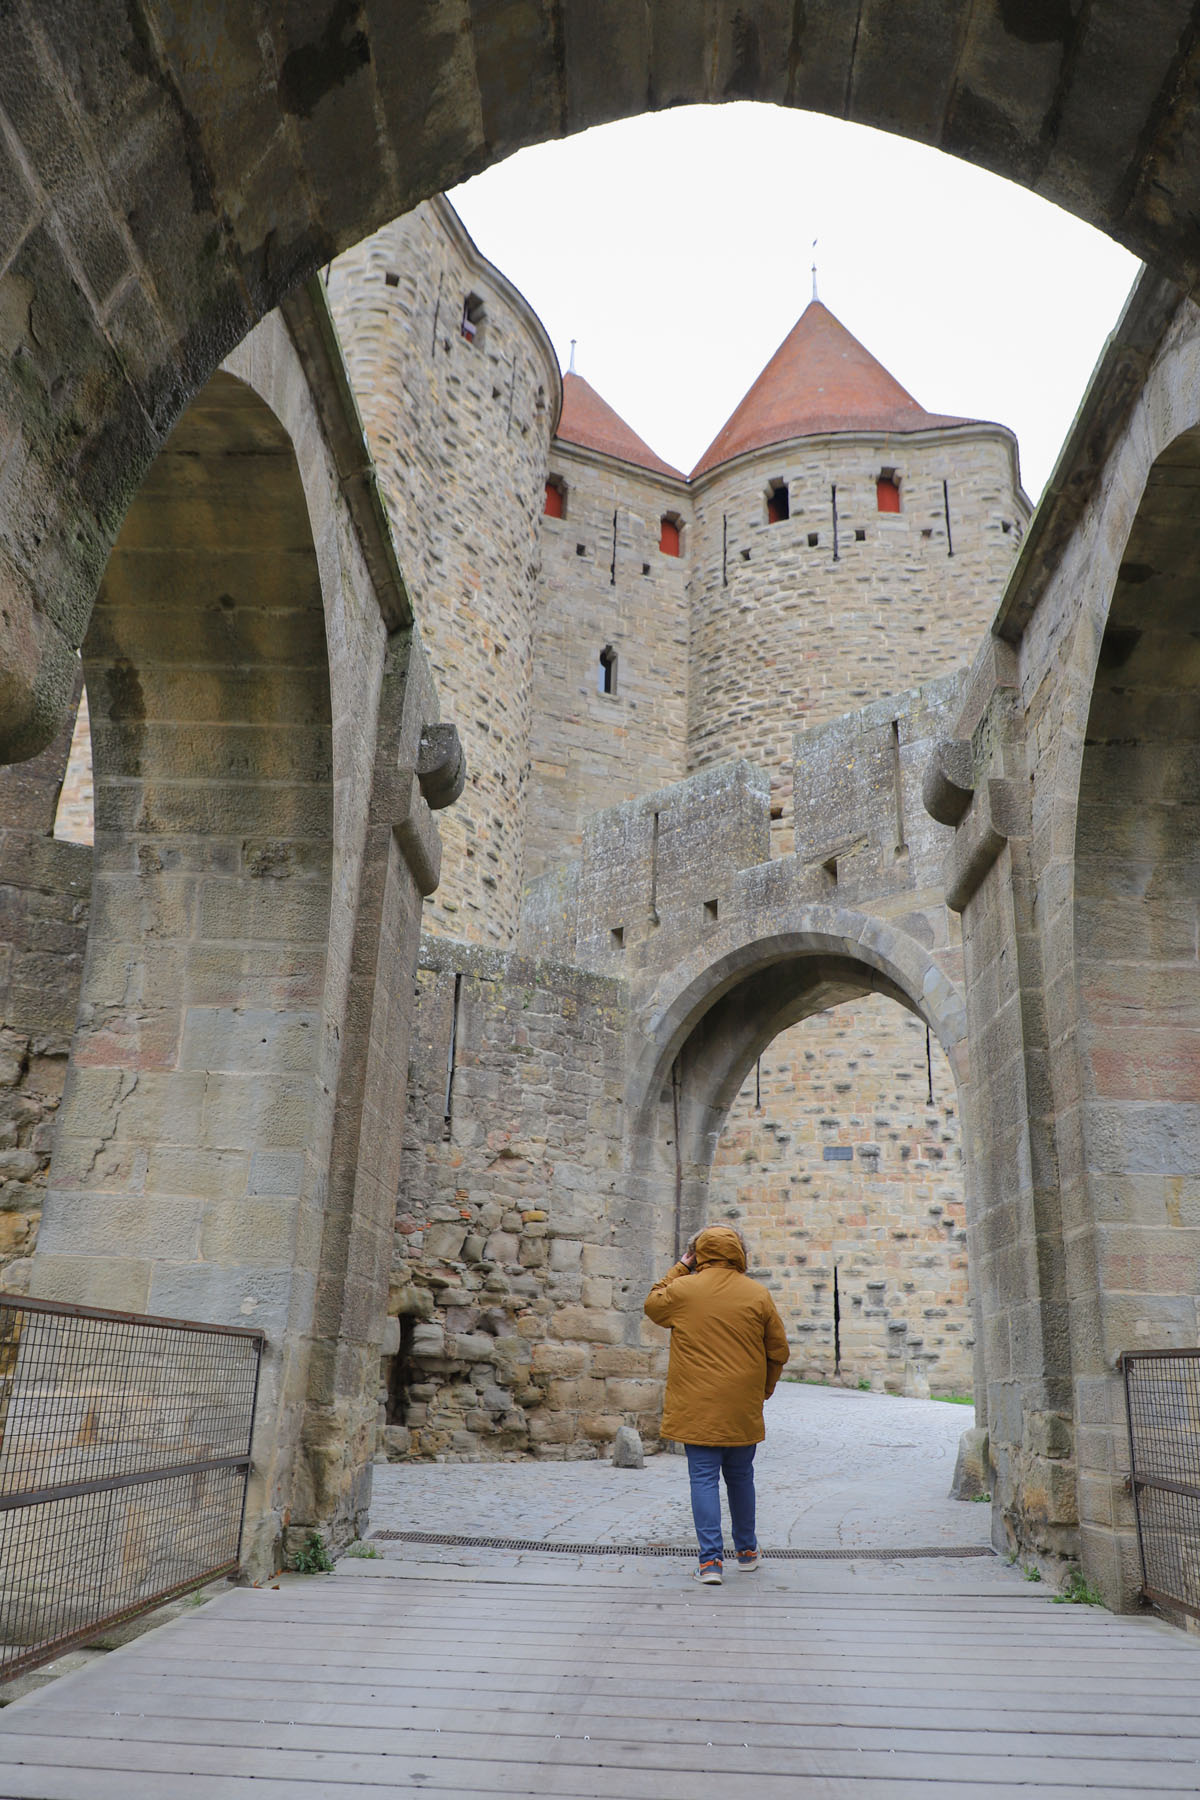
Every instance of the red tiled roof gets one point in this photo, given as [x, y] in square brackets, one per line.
[820, 379]
[589, 421]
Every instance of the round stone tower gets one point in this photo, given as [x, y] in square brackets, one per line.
[460, 391]
[846, 544]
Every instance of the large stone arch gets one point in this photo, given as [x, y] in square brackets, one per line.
[1133, 1207]
[1094, 873]
[745, 986]
[171, 180]
[714, 1015]
[190, 1163]
[262, 849]
[1053, 790]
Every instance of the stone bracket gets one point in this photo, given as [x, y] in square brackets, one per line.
[991, 819]
[949, 784]
[441, 766]
[420, 845]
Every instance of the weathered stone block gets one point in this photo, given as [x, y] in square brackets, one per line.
[565, 1255]
[588, 1327]
[429, 1339]
[627, 1451]
[632, 1396]
[558, 1359]
[972, 1477]
[443, 1242]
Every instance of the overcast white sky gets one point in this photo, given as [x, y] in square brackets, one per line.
[677, 247]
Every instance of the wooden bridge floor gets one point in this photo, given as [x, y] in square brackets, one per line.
[620, 1678]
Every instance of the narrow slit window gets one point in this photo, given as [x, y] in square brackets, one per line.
[669, 534]
[606, 678]
[472, 319]
[779, 505]
[887, 491]
[556, 498]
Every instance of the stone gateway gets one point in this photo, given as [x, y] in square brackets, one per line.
[822, 856]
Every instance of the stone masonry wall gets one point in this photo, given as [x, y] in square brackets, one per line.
[592, 750]
[785, 637]
[834, 1158]
[459, 429]
[509, 1296]
[45, 888]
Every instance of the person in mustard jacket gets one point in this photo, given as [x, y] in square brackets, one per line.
[728, 1348]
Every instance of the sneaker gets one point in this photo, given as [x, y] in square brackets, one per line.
[709, 1573]
[747, 1559]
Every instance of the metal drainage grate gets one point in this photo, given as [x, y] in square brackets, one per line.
[454, 1541]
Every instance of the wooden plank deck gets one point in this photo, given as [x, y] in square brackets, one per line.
[810, 1681]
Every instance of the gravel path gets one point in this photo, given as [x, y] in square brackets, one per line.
[839, 1470]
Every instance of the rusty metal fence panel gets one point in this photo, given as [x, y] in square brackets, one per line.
[1162, 1398]
[124, 1459]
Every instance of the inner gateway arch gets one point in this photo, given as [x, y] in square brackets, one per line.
[166, 194]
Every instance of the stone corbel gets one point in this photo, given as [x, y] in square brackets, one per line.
[949, 783]
[441, 766]
[419, 842]
[436, 782]
[991, 818]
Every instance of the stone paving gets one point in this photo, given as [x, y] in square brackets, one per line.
[839, 1470]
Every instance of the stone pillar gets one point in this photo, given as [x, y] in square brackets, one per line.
[332, 1485]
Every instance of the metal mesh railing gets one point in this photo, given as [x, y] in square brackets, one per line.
[1162, 1397]
[124, 1457]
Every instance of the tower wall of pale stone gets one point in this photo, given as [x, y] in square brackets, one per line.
[832, 1158]
[843, 1164]
[459, 429]
[786, 635]
[600, 588]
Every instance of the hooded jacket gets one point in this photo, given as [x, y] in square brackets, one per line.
[728, 1344]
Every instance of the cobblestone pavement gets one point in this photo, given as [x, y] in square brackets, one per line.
[839, 1470]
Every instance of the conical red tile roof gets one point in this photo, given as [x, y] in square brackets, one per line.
[589, 421]
[820, 379]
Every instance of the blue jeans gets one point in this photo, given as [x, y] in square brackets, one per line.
[706, 1464]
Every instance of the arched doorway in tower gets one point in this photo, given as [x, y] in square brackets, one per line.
[841, 1161]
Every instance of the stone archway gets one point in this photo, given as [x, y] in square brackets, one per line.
[1137, 991]
[187, 1177]
[173, 179]
[713, 1022]
[703, 1039]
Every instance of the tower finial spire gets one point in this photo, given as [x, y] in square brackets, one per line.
[571, 368]
[814, 269]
